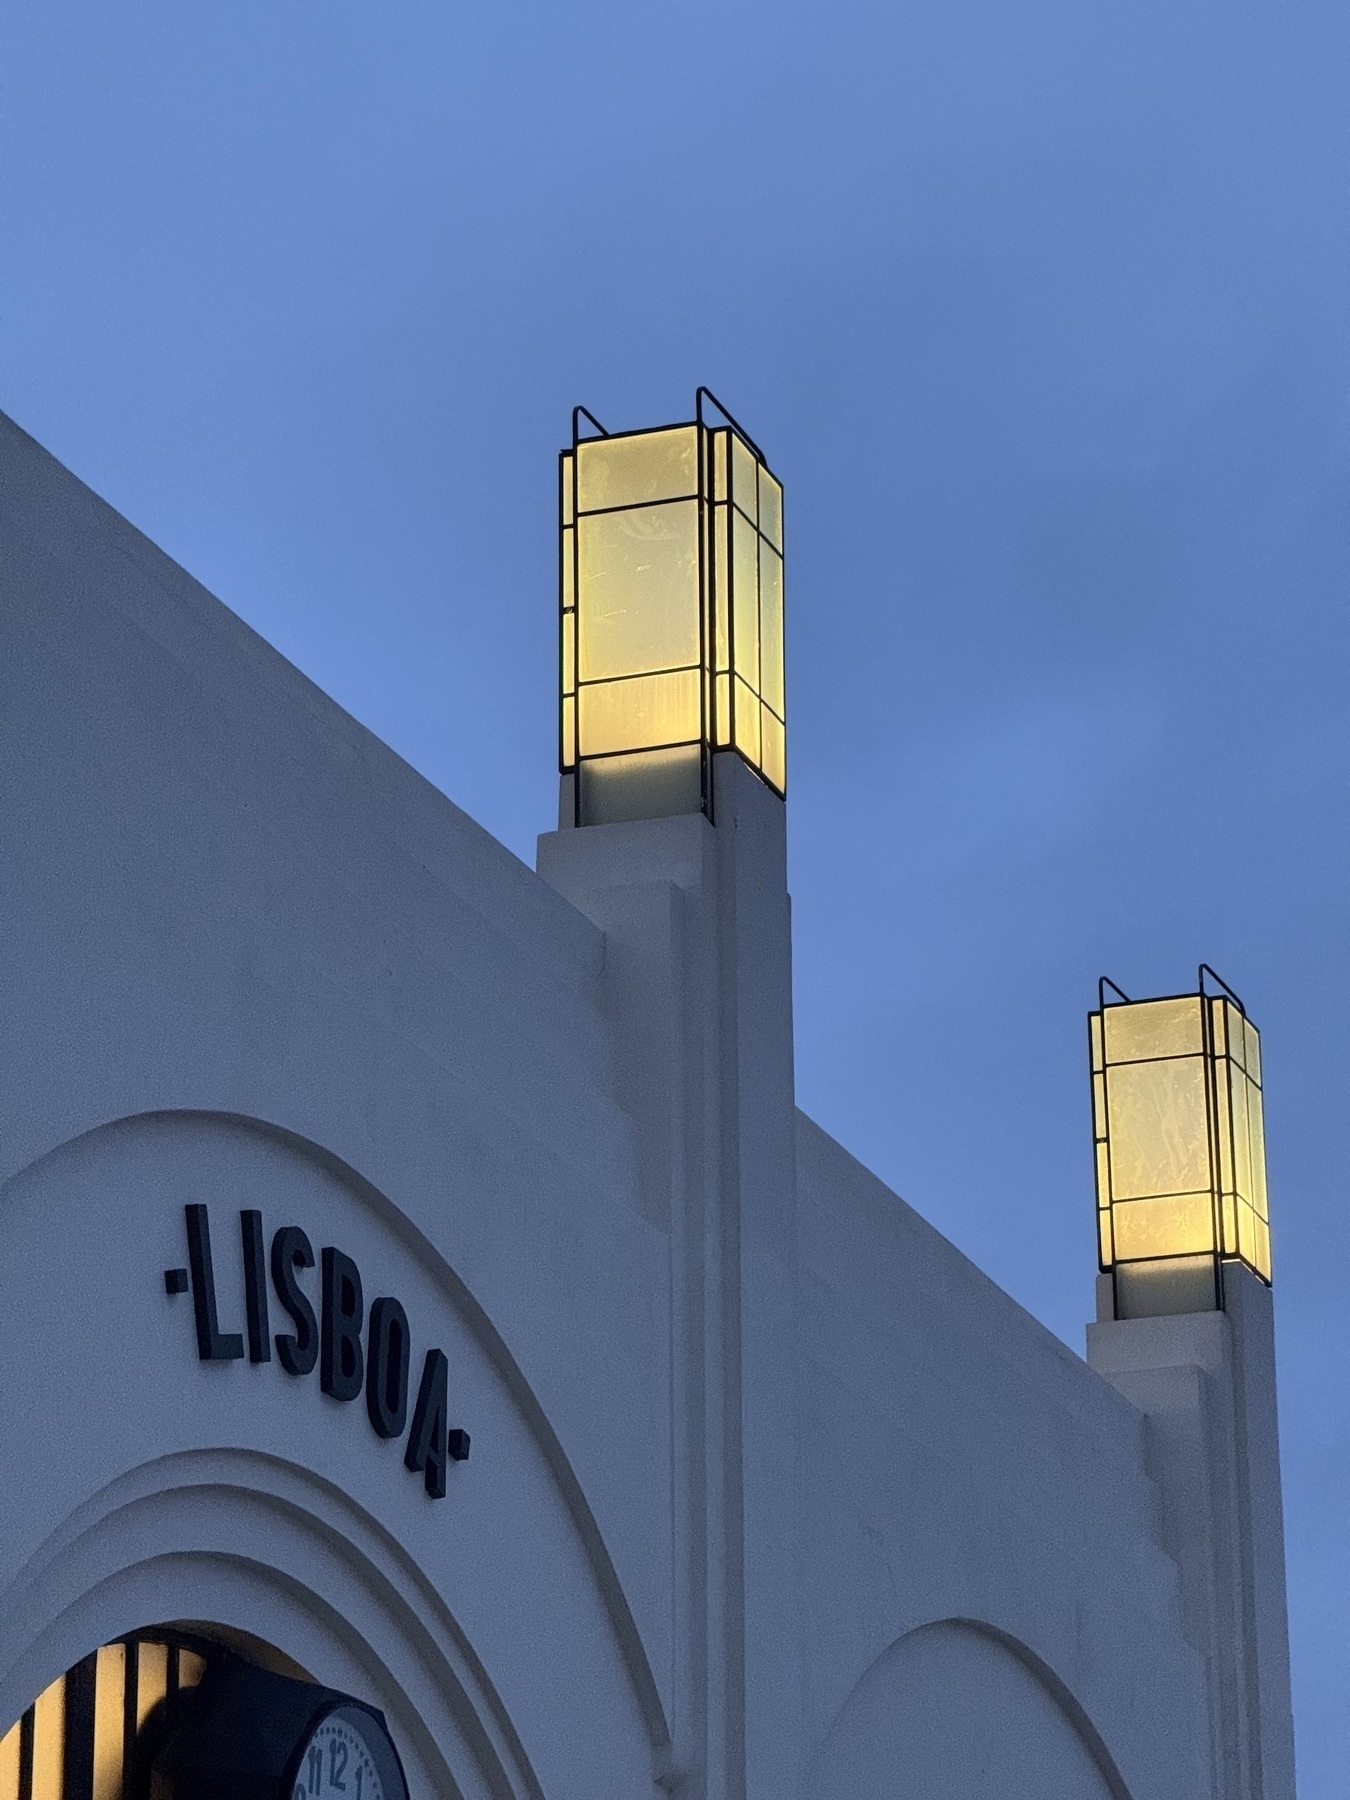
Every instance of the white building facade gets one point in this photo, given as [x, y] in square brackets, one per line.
[552, 1383]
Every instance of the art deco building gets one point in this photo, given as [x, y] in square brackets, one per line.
[440, 1359]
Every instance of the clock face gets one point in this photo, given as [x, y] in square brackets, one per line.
[348, 1757]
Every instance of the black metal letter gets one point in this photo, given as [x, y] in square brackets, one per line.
[291, 1251]
[213, 1344]
[387, 1346]
[255, 1287]
[341, 1364]
[425, 1454]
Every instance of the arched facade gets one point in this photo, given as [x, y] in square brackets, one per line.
[957, 1711]
[240, 1498]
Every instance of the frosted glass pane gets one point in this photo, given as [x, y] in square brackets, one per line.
[625, 471]
[110, 1676]
[771, 629]
[723, 711]
[638, 599]
[1153, 1028]
[744, 479]
[745, 600]
[1257, 1132]
[49, 1741]
[1176, 1226]
[1249, 1247]
[569, 654]
[1237, 1047]
[1098, 1106]
[1219, 1025]
[9, 1763]
[720, 465]
[1253, 1052]
[745, 722]
[1242, 1148]
[1105, 1252]
[721, 589]
[1158, 1127]
[1095, 1039]
[773, 750]
[770, 509]
[1228, 1212]
[1263, 1262]
[152, 1679]
[639, 714]
[1103, 1176]
[569, 733]
[565, 489]
[1223, 1129]
[567, 558]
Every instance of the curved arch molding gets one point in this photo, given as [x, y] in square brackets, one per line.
[491, 1625]
[959, 1710]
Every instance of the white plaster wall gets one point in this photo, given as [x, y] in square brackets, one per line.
[220, 894]
[952, 1713]
[962, 1464]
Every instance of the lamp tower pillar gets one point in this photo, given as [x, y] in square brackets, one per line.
[672, 838]
[1185, 1330]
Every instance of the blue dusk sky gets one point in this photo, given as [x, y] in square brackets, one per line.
[1038, 308]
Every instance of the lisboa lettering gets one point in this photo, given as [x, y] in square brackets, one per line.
[354, 1350]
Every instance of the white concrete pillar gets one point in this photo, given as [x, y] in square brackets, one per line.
[698, 984]
[1206, 1385]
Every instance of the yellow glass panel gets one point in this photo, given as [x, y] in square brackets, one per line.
[720, 465]
[627, 471]
[110, 1680]
[745, 602]
[1219, 1025]
[723, 711]
[771, 629]
[191, 1668]
[1249, 1244]
[1237, 1036]
[569, 654]
[638, 600]
[565, 488]
[1099, 1106]
[152, 1679]
[1228, 1209]
[1105, 1250]
[746, 722]
[1256, 1130]
[1223, 1126]
[1263, 1260]
[773, 750]
[1253, 1052]
[1158, 1127]
[641, 714]
[1153, 1028]
[1242, 1145]
[770, 508]
[1103, 1176]
[569, 570]
[744, 479]
[1095, 1039]
[9, 1762]
[49, 1742]
[1176, 1225]
[569, 732]
[721, 589]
